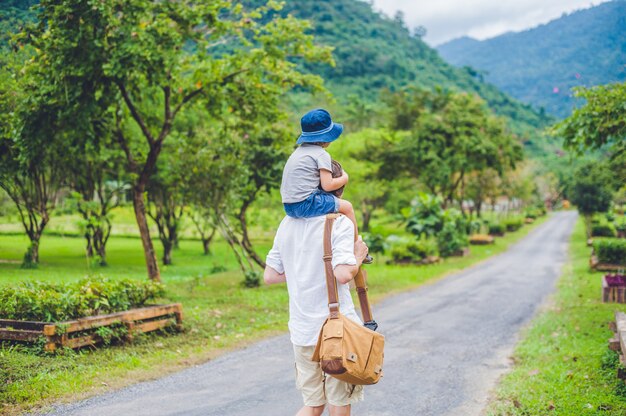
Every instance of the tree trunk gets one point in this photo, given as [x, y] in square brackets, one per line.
[588, 219]
[144, 231]
[31, 258]
[206, 243]
[367, 216]
[167, 251]
[89, 248]
[245, 241]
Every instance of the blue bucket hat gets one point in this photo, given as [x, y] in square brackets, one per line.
[318, 127]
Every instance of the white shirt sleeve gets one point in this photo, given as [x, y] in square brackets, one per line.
[273, 258]
[324, 161]
[343, 242]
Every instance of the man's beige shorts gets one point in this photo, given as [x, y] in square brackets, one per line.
[319, 389]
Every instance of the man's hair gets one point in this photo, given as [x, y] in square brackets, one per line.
[337, 172]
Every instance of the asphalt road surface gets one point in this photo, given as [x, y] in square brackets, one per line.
[447, 344]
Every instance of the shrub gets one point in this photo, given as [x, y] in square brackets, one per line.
[54, 302]
[252, 279]
[496, 229]
[610, 251]
[603, 230]
[453, 236]
[513, 224]
[411, 250]
[375, 242]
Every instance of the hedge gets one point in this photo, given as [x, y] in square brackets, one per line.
[610, 251]
[496, 229]
[513, 224]
[54, 302]
[603, 230]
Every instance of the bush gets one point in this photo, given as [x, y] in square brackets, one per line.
[453, 236]
[375, 242]
[410, 250]
[54, 302]
[603, 230]
[496, 229]
[610, 251]
[513, 224]
[251, 279]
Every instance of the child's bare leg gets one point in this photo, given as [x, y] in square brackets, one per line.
[345, 208]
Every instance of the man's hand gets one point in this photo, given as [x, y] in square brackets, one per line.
[360, 250]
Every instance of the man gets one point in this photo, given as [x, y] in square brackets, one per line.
[296, 258]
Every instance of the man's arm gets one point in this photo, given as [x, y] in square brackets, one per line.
[271, 276]
[346, 272]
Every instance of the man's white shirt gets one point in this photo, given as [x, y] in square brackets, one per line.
[297, 252]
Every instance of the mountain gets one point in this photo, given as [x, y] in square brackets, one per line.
[374, 52]
[541, 65]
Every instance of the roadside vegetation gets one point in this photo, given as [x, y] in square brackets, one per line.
[563, 365]
[220, 314]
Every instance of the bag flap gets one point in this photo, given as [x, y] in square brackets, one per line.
[333, 328]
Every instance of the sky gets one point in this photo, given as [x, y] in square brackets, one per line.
[481, 19]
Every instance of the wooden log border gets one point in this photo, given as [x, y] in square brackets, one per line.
[618, 341]
[605, 267]
[80, 332]
[615, 294]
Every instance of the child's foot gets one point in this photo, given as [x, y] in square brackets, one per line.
[368, 259]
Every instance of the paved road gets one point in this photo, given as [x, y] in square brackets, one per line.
[447, 344]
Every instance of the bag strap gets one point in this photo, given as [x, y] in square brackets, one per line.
[360, 279]
[331, 281]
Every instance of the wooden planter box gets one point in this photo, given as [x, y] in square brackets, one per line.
[482, 239]
[604, 267]
[613, 293]
[80, 332]
[461, 253]
[427, 260]
[529, 220]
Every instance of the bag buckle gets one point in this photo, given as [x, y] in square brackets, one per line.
[328, 257]
[333, 305]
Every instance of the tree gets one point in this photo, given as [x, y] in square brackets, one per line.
[451, 136]
[591, 191]
[32, 158]
[599, 124]
[365, 190]
[482, 186]
[166, 205]
[161, 57]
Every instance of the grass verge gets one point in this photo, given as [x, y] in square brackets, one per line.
[219, 314]
[563, 365]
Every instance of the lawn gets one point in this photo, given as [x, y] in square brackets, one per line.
[563, 366]
[219, 313]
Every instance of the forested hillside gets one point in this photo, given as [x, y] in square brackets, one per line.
[541, 65]
[372, 52]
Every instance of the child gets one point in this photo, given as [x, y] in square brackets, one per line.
[309, 168]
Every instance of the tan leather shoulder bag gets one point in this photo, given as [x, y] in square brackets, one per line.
[346, 350]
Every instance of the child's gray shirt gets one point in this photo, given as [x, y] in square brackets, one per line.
[301, 176]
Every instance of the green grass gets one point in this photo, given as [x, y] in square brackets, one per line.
[219, 313]
[563, 366]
